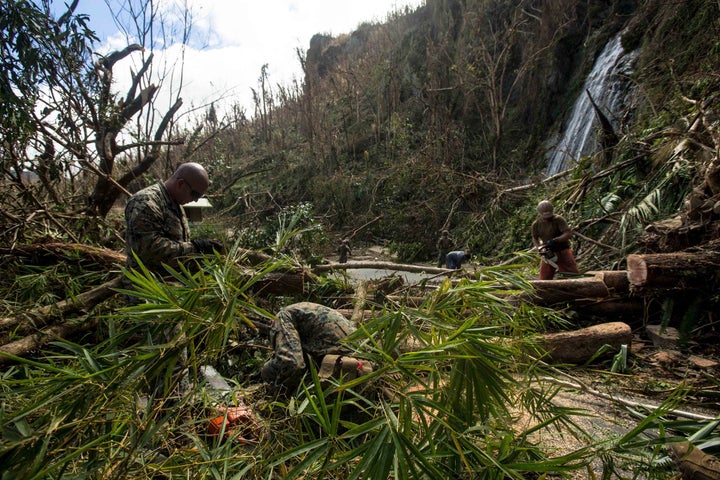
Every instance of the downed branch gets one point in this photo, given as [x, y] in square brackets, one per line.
[83, 302]
[102, 256]
[25, 345]
[528, 186]
[577, 385]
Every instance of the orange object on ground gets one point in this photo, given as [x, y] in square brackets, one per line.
[239, 422]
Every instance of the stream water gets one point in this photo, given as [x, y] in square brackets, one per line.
[360, 274]
[377, 253]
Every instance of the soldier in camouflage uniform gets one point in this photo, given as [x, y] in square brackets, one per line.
[444, 245]
[302, 329]
[157, 231]
[157, 228]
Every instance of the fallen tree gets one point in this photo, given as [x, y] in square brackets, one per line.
[678, 269]
[579, 346]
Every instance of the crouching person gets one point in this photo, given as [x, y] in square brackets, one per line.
[303, 332]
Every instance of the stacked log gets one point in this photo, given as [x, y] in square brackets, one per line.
[673, 270]
[562, 291]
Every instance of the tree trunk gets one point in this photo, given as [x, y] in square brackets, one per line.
[551, 292]
[679, 269]
[579, 346]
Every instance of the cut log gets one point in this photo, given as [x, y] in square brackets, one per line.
[671, 269]
[581, 345]
[552, 292]
[615, 280]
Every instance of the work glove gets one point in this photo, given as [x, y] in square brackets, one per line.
[206, 246]
[552, 245]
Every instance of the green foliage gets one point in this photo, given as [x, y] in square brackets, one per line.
[32, 44]
[444, 408]
[294, 230]
[406, 252]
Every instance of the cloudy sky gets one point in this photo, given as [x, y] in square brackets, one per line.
[232, 39]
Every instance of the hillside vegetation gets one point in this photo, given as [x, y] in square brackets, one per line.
[431, 120]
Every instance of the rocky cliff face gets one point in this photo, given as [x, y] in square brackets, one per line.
[505, 73]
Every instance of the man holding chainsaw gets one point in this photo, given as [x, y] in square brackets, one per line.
[551, 236]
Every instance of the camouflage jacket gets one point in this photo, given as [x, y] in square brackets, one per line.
[157, 228]
[301, 329]
[444, 244]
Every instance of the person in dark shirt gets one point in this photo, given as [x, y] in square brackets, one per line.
[444, 245]
[344, 251]
[551, 236]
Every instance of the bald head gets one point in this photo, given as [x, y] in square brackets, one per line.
[189, 182]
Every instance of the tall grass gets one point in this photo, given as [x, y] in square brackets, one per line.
[451, 380]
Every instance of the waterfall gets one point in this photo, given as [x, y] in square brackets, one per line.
[608, 89]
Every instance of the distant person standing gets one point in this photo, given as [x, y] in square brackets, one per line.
[455, 259]
[344, 251]
[551, 236]
[444, 245]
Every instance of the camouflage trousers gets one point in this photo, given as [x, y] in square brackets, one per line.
[303, 332]
[176, 386]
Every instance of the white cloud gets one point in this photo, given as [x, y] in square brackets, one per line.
[233, 39]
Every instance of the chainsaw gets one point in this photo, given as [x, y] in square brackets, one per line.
[548, 256]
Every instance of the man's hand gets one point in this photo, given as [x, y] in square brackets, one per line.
[206, 246]
[552, 245]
